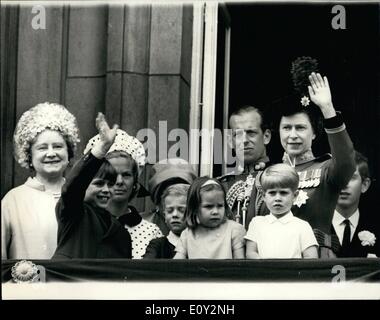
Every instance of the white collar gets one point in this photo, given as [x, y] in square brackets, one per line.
[35, 184]
[338, 219]
[172, 238]
[38, 185]
[285, 219]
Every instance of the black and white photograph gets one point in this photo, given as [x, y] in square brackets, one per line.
[190, 151]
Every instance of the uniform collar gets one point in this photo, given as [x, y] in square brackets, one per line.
[251, 167]
[338, 219]
[240, 169]
[304, 158]
[285, 219]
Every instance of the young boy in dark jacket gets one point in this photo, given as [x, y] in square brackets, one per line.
[85, 228]
[356, 229]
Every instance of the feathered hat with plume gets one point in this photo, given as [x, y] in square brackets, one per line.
[298, 100]
[302, 67]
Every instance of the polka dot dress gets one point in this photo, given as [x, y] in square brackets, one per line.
[141, 235]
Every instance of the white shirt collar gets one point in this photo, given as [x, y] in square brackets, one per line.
[339, 226]
[285, 219]
[173, 238]
[338, 219]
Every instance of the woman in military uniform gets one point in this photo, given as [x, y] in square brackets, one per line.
[323, 177]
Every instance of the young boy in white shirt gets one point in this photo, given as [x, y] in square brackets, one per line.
[280, 235]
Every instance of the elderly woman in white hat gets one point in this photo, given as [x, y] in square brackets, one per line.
[45, 140]
[127, 156]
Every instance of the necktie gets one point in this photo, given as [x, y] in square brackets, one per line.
[346, 235]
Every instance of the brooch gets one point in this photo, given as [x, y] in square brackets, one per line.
[24, 271]
[301, 198]
[305, 101]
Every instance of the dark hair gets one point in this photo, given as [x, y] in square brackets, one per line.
[300, 70]
[264, 125]
[362, 164]
[314, 118]
[194, 199]
[135, 172]
[279, 175]
[291, 106]
[106, 172]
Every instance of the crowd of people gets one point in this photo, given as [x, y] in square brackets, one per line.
[305, 207]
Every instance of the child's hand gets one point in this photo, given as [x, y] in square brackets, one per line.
[320, 94]
[106, 135]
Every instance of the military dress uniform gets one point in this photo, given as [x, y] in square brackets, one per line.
[241, 194]
[321, 181]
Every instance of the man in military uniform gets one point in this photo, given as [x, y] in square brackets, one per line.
[250, 135]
